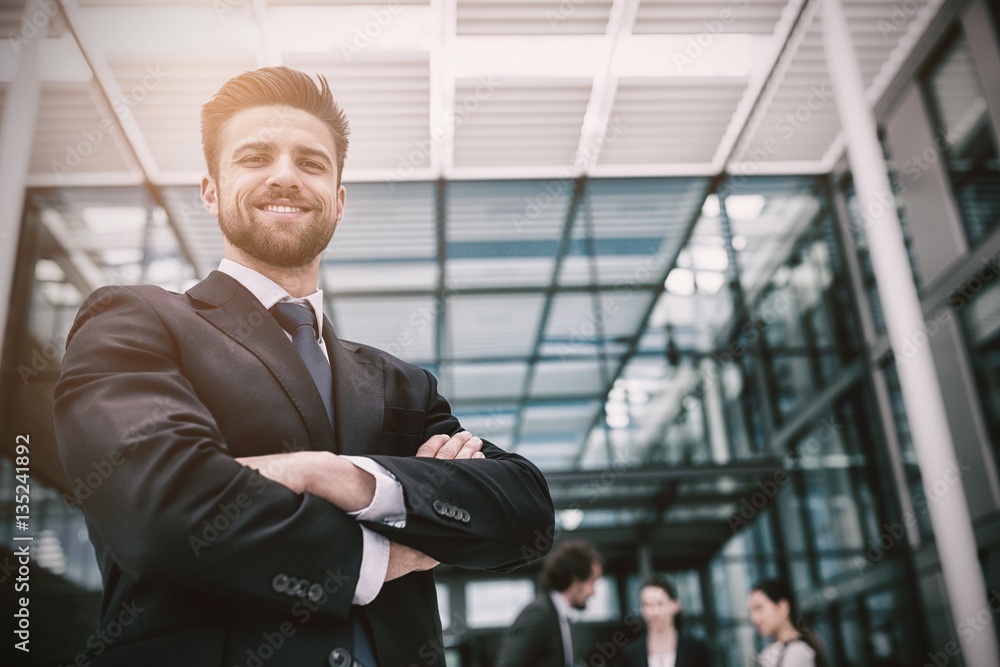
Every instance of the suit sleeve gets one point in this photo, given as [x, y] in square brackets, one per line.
[172, 503]
[493, 513]
[525, 641]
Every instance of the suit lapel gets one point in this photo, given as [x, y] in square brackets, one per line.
[358, 395]
[239, 315]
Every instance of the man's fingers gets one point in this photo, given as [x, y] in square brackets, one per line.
[462, 445]
[454, 445]
[432, 446]
[470, 448]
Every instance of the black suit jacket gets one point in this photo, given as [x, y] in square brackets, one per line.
[535, 638]
[207, 563]
[690, 653]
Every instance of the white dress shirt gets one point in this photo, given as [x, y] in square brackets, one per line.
[562, 610]
[667, 659]
[388, 505]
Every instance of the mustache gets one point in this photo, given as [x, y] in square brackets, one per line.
[287, 195]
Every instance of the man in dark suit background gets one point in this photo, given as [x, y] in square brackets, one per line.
[277, 496]
[541, 635]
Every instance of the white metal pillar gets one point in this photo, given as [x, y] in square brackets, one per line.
[17, 131]
[925, 408]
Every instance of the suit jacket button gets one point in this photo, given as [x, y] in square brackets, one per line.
[315, 593]
[465, 517]
[340, 657]
[280, 583]
[439, 507]
[298, 590]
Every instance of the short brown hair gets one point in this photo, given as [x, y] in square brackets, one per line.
[568, 562]
[272, 86]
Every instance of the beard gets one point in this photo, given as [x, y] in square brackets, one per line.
[291, 245]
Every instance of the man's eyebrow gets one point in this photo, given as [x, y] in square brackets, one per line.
[250, 145]
[268, 146]
[314, 152]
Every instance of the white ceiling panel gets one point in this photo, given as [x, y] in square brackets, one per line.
[517, 17]
[708, 17]
[670, 120]
[75, 132]
[519, 121]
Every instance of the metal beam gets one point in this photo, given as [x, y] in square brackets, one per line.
[647, 475]
[17, 129]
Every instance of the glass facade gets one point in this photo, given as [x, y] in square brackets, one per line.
[685, 357]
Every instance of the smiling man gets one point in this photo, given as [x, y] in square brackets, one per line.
[279, 496]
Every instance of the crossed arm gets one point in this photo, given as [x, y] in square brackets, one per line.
[348, 487]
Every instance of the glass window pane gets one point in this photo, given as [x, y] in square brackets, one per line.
[981, 322]
[492, 604]
[963, 127]
[914, 481]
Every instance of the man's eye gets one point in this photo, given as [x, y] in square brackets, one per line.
[313, 165]
[253, 159]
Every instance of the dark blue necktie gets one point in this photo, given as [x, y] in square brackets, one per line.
[300, 321]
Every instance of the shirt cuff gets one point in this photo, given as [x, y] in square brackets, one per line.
[388, 505]
[374, 564]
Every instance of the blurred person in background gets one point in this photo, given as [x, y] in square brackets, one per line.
[665, 644]
[540, 637]
[773, 613]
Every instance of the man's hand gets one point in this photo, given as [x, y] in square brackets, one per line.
[404, 559]
[462, 445]
[323, 474]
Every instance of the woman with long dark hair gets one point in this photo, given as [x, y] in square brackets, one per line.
[772, 611]
[664, 645]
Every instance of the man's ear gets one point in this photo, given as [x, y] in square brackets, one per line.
[210, 195]
[341, 202]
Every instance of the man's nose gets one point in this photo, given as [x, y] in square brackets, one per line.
[284, 174]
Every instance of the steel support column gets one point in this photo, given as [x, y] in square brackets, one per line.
[17, 131]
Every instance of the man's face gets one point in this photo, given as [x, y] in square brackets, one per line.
[277, 196]
[581, 590]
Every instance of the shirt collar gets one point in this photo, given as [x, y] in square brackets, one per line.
[267, 291]
[561, 604]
